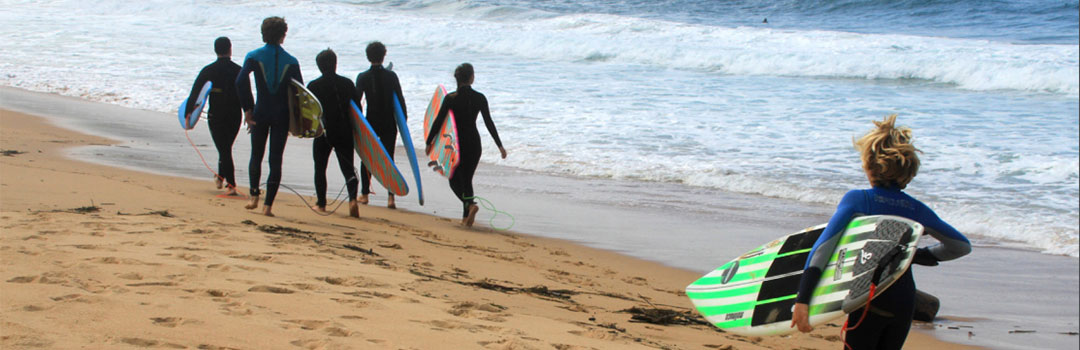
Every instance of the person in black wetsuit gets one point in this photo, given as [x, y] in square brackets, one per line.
[334, 92]
[269, 117]
[224, 115]
[466, 104]
[379, 85]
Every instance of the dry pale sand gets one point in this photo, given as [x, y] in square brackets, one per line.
[105, 258]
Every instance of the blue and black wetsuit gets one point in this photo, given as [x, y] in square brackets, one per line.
[224, 116]
[466, 104]
[273, 68]
[334, 92]
[888, 323]
[379, 85]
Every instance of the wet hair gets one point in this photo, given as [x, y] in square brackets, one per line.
[376, 51]
[222, 46]
[888, 157]
[464, 74]
[327, 61]
[273, 30]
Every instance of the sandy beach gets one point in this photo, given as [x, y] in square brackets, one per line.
[100, 257]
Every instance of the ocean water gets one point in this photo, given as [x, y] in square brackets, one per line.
[701, 95]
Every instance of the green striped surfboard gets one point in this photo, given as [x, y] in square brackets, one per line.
[754, 293]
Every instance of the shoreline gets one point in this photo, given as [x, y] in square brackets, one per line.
[409, 277]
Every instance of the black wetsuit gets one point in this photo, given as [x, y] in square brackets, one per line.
[225, 115]
[273, 68]
[380, 85]
[334, 92]
[466, 104]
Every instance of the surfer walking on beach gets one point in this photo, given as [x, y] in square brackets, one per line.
[890, 162]
[268, 117]
[466, 104]
[224, 116]
[334, 92]
[379, 85]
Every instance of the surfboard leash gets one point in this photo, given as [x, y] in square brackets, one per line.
[489, 206]
[883, 263]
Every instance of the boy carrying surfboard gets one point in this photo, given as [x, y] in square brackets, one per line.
[224, 116]
[335, 92]
[379, 85]
[890, 162]
[267, 118]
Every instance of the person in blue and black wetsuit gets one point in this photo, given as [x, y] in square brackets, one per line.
[334, 92]
[890, 162]
[224, 116]
[466, 104]
[269, 116]
[379, 85]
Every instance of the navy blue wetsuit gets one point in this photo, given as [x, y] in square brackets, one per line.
[273, 68]
[224, 115]
[889, 320]
[334, 92]
[466, 104]
[380, 85]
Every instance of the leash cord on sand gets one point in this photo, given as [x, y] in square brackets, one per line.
[489, 206]
[337, 199]
[218, 176]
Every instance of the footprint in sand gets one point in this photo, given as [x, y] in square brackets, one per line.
[147, 343]
[172, 322]
[23, 279]
[270, 289]
[309, 325]
[488, 312]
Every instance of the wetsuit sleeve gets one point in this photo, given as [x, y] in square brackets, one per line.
[953, 244]
[401, 98]
[204, 76]
[826, 244]
[294, 73]
[440, 118]
[488, 122]
[359, 90]
[243, 85]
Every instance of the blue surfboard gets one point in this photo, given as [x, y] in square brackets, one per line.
[200, 102]
[406, 139]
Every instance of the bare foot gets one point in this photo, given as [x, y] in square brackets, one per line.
[266, 211]
[232, 191]
[253, 204]
[217, 181]
[318, 208]
[354, 209]
[390, 202]
[363, 199]
[468, 220]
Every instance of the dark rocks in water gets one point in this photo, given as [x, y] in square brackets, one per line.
[926, 306]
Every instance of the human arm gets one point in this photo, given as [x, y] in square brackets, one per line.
[437, 124]
[490, 124]
[400, 97]
[243, 92]
[952, 244]
[200, 80]
[820, 255]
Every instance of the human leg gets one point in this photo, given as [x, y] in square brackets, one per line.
[320, 153]
[259, 134]
[278, 136]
